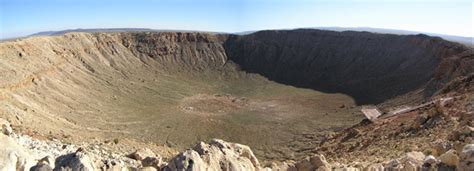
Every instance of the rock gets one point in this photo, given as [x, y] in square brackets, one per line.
[450, 158]
[393, 165]
[349, 168]
[430, 161]
[149, 168]
[75, 161]
[44, 164]
[47, 160]
[241, 150]
[188, 160]
[419, 121]
[441, 147]
[409, 166]
[6, 127]
[217, 155]
[319, 161]
[304, 165]
[284, 166]
[316, 162]
[413, 157]
[155, 162]
[411, 161]
[323, 168]
[113, 165]
[461, 133]
[443, 167]
[141, 154]
[467, 130]
[466, 159]
[13, 156]
[118, 168]
[374, 167]
[351, 133]
[41, 167]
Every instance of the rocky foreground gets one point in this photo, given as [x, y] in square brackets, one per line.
[21, 152]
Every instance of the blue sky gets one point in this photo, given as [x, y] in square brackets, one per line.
[23, 17]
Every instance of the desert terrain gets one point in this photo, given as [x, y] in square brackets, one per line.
[287, 94]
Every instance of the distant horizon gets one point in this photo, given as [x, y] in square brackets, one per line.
[19, 18]
[322, 28]
[329, 28]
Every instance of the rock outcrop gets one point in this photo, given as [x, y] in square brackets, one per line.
[74, 161]
[217, 155]
[13, 156]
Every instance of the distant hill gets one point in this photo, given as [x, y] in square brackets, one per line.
[60, 32]
[460, 39]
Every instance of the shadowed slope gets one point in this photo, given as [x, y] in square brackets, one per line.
[369, 67]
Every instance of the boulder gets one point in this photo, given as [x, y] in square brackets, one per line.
[304, 165]
[374, 167]
[283, 166]
[241, 150]
[155, 162]
[430, 161]
[189, 160]
[142, 154]
[119, 168]
[409, 166]
[450, 158]
[149, 168]
[13, 156]
[44, 164]
[348, 168]
[411, 161]
[414, 157]
[6, 127]
[323, 168]
[441, 147]
[47, 160]
[74, 161]
[316, 162]
[393, 165]
[466, 159]
[319, 161]
[217, 155]
[41, 167]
